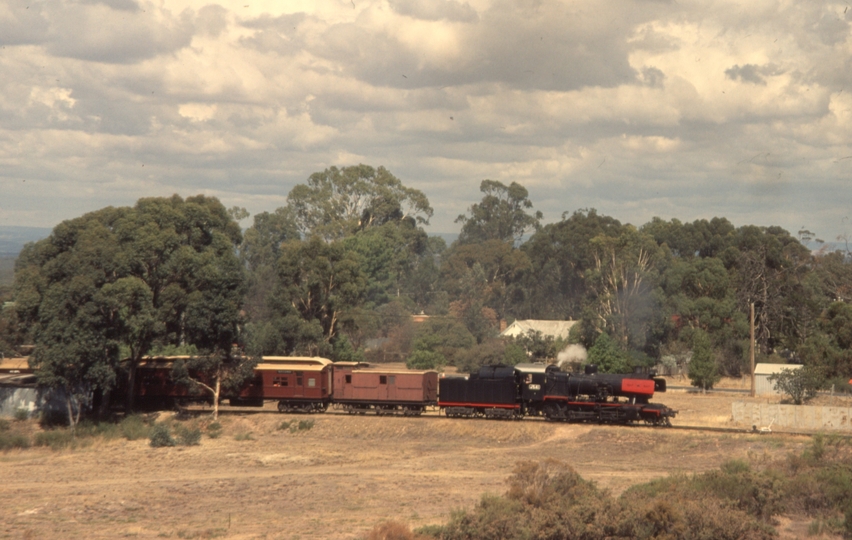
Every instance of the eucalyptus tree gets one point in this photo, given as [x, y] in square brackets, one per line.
[504, 271]
[337, 202]
[505, 213]
[60, 297]
[560, 255]
[121, 281]
[317, 283]
[349, 241]
[214, 372]
[621, 282]
[769, 267]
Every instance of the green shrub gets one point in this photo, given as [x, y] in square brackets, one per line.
[801, 385]
[188, 436]
[735, 466]
[4, 425]
[22, 414]
[431, 531]
[161, 436]
[293, 426]
[214, 430]
[243, 437]
[13, 440]
[425, 360]
[135, 427]
[822, 527]
[56, 439]
[759, 495]
[394, 530]
[303, 425]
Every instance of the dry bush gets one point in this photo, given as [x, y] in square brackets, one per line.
[550, 500]
[393, 530]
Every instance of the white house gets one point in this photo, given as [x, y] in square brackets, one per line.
[556, 329]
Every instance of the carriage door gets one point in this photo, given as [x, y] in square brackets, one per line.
[383, 386]
[299, 390]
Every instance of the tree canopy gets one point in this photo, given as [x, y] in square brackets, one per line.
[347, 270]
[337, 202]
[119, 282]
[503, 214]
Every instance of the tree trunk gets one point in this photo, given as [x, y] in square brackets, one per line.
[69, 404]
[216, 392]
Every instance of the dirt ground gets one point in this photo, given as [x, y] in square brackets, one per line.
[345, 475]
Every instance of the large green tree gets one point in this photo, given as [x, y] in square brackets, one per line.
[337, 202]
[326, 296]
[561, 254]
[624, 273]
[769, 267]
[505, 213]
[608, 356]
[164, 272]
[317, 283]
[703, 371]
[504, 269]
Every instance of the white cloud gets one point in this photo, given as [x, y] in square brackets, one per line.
[639, 108]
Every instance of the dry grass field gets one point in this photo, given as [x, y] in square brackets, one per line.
[342, 476]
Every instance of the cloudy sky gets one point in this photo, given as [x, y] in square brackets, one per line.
[639, 108]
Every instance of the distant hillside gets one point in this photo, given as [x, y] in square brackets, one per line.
[13, 239]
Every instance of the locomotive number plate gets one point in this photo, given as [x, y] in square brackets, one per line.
[534, 386]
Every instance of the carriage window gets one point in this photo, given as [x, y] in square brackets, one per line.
[312, 383]
[392, 379]
[285, 381]
[299, 378]
[349, 379]
[383, 379]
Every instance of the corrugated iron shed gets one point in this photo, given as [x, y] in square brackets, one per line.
[762, 386]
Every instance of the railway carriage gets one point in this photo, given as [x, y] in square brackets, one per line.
[299, 384]
[154, 386]
[359, 390]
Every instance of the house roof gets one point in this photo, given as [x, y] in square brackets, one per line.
[557, 329]
[769, 369]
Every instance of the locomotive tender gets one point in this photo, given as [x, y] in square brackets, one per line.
[311, 384]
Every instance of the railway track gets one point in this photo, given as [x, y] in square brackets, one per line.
[435, 415]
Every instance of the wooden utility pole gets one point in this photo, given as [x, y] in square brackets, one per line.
[751, 345]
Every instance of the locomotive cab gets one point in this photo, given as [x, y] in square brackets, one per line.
[532, 383]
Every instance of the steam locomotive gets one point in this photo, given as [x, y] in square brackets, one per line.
[311, 385]
[541, 390]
